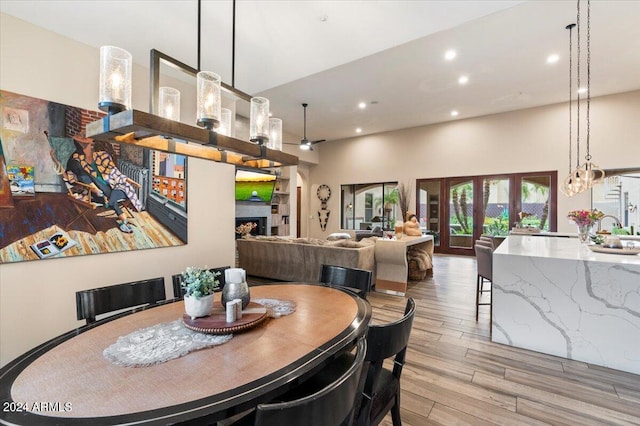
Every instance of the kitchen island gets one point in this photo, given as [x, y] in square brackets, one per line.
[554, 295]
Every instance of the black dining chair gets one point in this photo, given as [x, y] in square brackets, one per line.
[102, 300]
[178, 291]
[381, 391]
[357, 279]
[326, 398]
[484, 264]
[330, 405]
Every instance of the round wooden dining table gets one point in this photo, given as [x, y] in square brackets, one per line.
[67, 380]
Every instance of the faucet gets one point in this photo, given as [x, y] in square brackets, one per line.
[617, 221]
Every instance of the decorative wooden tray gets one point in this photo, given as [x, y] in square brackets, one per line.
[626, 250]
[216, 323]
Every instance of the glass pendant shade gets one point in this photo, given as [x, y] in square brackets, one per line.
[226, 122]
[590, 174]
[169, 103]
[115, 79]
[208, 98]
[573, 184]
[259, 120]
[275, 134]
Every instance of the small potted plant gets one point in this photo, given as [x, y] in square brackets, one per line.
[199, 285]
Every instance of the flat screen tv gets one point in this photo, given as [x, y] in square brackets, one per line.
[254, 186]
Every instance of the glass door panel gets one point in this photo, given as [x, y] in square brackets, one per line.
[534, 202]
[461, 221]
[428, 209]
[495, 211]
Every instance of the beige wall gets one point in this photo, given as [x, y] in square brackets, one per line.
[37, 299]
[535, 139]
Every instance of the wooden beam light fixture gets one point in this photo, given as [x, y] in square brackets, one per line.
[146, 130]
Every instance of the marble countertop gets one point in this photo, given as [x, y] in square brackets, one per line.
[559, 248]
[574, 235]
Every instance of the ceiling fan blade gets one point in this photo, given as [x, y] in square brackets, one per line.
[318, 141]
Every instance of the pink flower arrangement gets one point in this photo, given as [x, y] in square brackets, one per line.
[585, 217]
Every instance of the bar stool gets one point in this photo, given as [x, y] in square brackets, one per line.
[489, 240]
[485, 243]
[484, 258]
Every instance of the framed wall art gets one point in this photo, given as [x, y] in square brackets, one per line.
[72, 196]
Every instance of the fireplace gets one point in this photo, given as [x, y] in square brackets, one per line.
[260, 229]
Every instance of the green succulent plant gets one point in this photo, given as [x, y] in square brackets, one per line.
[199, 282]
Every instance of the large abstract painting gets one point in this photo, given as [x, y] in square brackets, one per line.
[67, 195]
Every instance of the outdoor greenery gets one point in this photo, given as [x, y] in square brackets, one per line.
[460, 207]
[497, 225]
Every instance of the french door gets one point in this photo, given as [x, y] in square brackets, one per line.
[457, 210]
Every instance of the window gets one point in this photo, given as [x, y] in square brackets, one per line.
[169, 174]
[364, 206]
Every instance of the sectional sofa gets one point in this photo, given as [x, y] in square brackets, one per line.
[300, 259]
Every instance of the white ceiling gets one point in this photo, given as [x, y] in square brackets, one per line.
[389, 52]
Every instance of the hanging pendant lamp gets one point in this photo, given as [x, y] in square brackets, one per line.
[584, 176]
[590, 173]
[569, 186]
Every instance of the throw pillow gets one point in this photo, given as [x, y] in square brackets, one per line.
[338, 236]
[347, 244]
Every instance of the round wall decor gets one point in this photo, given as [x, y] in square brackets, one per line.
[323, 193]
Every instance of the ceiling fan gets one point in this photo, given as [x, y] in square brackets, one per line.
[306, 144]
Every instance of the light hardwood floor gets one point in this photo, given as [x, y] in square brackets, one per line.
[455, 375]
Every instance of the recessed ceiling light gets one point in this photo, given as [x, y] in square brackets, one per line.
[463, 79]
[362, 105]
[324, 18]
[358, 130]
[454, 113]
[582, 91]
[552, 59]
[450, 54]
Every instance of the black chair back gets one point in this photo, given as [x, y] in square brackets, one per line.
[381, 391]
[93, 302]
[332, 405]
[178, 291]
[359, 279]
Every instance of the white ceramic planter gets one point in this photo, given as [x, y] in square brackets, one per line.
[198, 307]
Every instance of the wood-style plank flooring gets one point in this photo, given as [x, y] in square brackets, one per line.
[456, 376]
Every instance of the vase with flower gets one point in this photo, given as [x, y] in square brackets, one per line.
[199, 285]
[584, 219]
